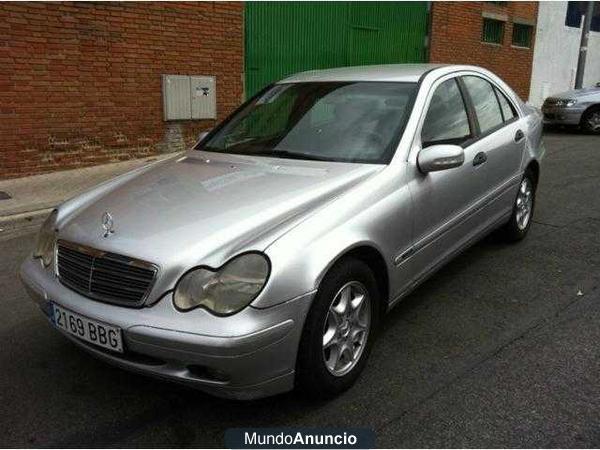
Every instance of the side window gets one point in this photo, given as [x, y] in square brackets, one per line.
[446, 120]
[508, 111]
[485, 103]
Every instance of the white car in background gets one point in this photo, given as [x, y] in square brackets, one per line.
[575, 107]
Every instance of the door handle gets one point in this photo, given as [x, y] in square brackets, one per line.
[480, 158]
[519, 135]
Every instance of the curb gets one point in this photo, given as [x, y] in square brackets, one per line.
[16, 222]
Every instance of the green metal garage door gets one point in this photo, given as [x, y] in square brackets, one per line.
[287, 37]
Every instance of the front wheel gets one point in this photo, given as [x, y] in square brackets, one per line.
[591, 121]
[522, 215]
[339, 330]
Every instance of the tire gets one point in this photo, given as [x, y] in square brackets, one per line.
[315, 376]
[520, 220]
[590, 121]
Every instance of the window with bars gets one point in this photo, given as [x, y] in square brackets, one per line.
[521, 35]
[493, 31]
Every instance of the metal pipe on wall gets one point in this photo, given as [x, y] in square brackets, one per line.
[585, 33]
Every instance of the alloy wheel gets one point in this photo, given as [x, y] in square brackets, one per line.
[593, 121]
[524, 204]
[346, 328]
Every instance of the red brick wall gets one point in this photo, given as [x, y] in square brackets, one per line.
[456, 32]
[80, 83]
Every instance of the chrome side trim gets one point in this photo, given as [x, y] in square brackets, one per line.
[449, 257]
[458, 219]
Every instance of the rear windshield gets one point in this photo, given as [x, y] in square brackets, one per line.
[332, 121]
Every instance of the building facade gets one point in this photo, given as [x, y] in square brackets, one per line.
[499, 36]
[557, 50]
[80, 83]
[84, 83]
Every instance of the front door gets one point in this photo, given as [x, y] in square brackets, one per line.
[446, 203]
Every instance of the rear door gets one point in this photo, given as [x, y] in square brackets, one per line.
[500, 143]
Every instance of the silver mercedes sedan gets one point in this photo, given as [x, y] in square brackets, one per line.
[266, 257]
[575, 107]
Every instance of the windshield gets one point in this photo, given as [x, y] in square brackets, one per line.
[333, 121]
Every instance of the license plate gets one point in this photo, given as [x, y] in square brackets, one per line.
[89, 330]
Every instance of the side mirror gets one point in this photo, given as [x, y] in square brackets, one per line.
[598, 84]
[440, 157]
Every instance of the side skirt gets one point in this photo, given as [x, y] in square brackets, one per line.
[476, 238]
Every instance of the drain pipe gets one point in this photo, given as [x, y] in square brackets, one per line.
[585, 33]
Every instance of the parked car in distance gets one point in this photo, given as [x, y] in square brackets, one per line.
[265, 258]
[575, 107]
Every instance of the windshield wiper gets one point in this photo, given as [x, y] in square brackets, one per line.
[291, 155]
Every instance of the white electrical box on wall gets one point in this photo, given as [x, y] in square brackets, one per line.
[177, 102]
[204, 99]
[189, 97]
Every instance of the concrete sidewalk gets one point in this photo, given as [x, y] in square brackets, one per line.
[32, 198]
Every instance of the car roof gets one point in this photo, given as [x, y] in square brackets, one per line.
[386, 72]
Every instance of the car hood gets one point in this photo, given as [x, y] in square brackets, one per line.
[578, 93]
[204, 208]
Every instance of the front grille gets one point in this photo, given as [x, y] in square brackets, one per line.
[550, 101]
[104, 276]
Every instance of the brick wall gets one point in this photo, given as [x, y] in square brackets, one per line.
[80, 83]
[456, 34]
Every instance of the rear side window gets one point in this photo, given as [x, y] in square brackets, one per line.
[485, 103]
[446, 120]
[508, 111]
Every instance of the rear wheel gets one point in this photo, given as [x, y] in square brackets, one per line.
[591, 120]
[522, 215]
[339, 330]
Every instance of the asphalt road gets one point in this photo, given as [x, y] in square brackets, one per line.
[499, 349]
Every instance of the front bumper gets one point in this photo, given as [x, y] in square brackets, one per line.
[554, 115]
[249, 355]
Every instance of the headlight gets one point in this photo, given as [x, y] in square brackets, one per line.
[566, 102]
[226, 290]
[44, 248]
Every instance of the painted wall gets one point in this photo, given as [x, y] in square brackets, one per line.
[287, 37]
[556, 52]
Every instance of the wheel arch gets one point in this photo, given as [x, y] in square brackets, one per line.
[534, 168]
[373, 258]
[592, 107]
